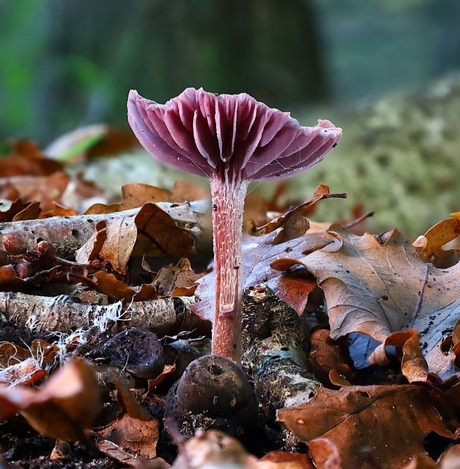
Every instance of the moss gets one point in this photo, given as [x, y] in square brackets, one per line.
[398, 157]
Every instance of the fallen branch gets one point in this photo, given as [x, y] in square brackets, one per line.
[65, 314]
[275, 348]
[67, 234]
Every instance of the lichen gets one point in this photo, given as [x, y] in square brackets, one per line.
[398, 157]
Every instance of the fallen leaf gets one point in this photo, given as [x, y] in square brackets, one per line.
[421, 461]
[325, 454]
[390, 421]
[62, 408]
[25, 366]
[150, 231]
[108, 284]
[294, 288]
[293, 221]
[327, 355]
[132, 434]
[259, 253]
[450, 459]
[158, 234]
[430, 245]
[178, 280]
[284, 460]
[377, 289]
[413, 364]
[16, 208]
[26, 158]
[115, 452]
[213, 449]
[136, 195]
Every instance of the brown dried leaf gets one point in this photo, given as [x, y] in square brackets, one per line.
[450, 459]
[62, 408]
[327, 355]
[129, 403]
[58, 211]
[108, 284]
[91, 249]
[159, 235]
[413, 364]
[25, 366]
[26, 158]
[133, 196]
[27, 372]
[132, 434]
[178, 280]
[121, 235]
[115, 452]
[378, 289]
[294, 288]
[421, 461]
[284, 460]
[16, 207]
[293, 221]
[149, 231]
[9, 279]
[137, 194]
[47, 190]
[391, 421]
[430, 245]
[213, 449]
[31, 212]
[260, 254]
[325, 454]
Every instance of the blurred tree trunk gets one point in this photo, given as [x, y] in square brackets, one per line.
[97, 51]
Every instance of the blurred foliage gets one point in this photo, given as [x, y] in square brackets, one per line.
[82, 57]
[67, 63]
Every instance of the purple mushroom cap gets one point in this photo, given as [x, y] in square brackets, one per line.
[232, 137]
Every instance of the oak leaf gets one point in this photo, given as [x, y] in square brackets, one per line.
[379, 288]
[391, 421]
[258, 254]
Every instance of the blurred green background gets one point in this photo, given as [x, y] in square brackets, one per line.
[67, 63]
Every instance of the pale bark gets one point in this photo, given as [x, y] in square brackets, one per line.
[276, 345]
[64, 314]
[67, 234]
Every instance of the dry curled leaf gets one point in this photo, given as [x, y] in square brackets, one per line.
[149, 231]
[390, 421]
[259, 253]
[431, 244]
[379, 288]
[62, 408]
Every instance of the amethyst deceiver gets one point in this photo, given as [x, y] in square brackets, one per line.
[232, 140]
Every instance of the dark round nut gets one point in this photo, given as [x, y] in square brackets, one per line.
[137, 350]
[214, 384]
[213, 392]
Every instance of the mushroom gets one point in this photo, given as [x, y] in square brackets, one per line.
[232, 140]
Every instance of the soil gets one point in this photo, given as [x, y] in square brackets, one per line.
[252, 423]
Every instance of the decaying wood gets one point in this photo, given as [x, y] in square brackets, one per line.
[66, 314]
[275, 348]
[67, 234]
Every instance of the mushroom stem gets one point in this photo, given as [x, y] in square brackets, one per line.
[227, 220]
